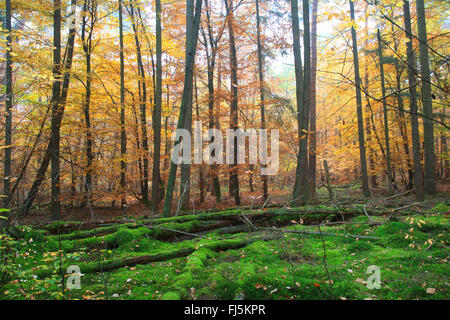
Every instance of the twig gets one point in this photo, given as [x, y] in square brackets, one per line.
[365, 211]
[326, 234]
[325, 260]
[407, 206]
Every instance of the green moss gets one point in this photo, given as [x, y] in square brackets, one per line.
[441, 208]
[359, 246]
[63, 225]
[391, 228]
[171, 296]
[242, 267]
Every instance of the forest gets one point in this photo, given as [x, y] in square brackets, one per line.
[224, 150]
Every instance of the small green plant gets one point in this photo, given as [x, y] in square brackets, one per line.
[441, 208]
[7, 254]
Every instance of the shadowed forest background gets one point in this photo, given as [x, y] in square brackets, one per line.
[92, 92]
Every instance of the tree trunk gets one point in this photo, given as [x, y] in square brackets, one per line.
[301, 187]
[185, 178]
[201, 174]
[313, 129]
[418, 179]
[211, 62]
[299, 90]
[444, 155]
[362, 147]
[234, 169]
[123, 137]
[402, 123]
[304, 179]
[373, 176]
[157, 112]
[191, 46]
[89, 7]
[261, 89]
[143, 109]
[55, 133]
[59, 96]
[385, 113]
[428, 134]
[8, 110]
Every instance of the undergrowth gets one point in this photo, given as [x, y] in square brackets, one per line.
[411, 252]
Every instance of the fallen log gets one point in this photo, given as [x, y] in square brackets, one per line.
[215, 245]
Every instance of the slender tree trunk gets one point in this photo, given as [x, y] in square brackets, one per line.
[89, 7]
[313, 129]
[373, 176]
[57, 114]
[191, 46]
[143, 109]
[123, 137]
[211, 62]
[385, 113]
[444, 155]
[138, 145]
[185, 178]
[402, 123]
[304, 178]
[301, 188]
[234, 169]
[157, 112]
[428, 134]
[418, 180]
[362, 147]
[299, 92]
[8, 110]
[59, 97]
[54, 138]
[261, 89]
[201, 173]
[30, 155]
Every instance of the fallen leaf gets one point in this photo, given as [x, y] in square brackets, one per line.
[431, 290]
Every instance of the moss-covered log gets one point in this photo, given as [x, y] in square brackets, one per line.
[213, 245]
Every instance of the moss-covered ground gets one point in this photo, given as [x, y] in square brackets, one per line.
[163, 259]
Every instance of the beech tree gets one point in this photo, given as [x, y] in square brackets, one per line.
[362, 147]
[8, 108]
[191, 46]
[428, 131]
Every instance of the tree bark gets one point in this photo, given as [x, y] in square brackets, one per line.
[418, 179]
[385, 114]
[402, 122]
[362, 147]
[89, 7]
[261, 89]
[299, 91]
[157, 113]
[55, 129]
[59, 97]
[234, 169]
[301, 187]
[428, 134]
[372, 176]
[185, 178]
[313, 129]
[211, 62]
[191, 46]
[123, 137]
[8, 110]
[143, 109]
[201, 173]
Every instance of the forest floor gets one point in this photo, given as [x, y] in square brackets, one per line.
[276, 252]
